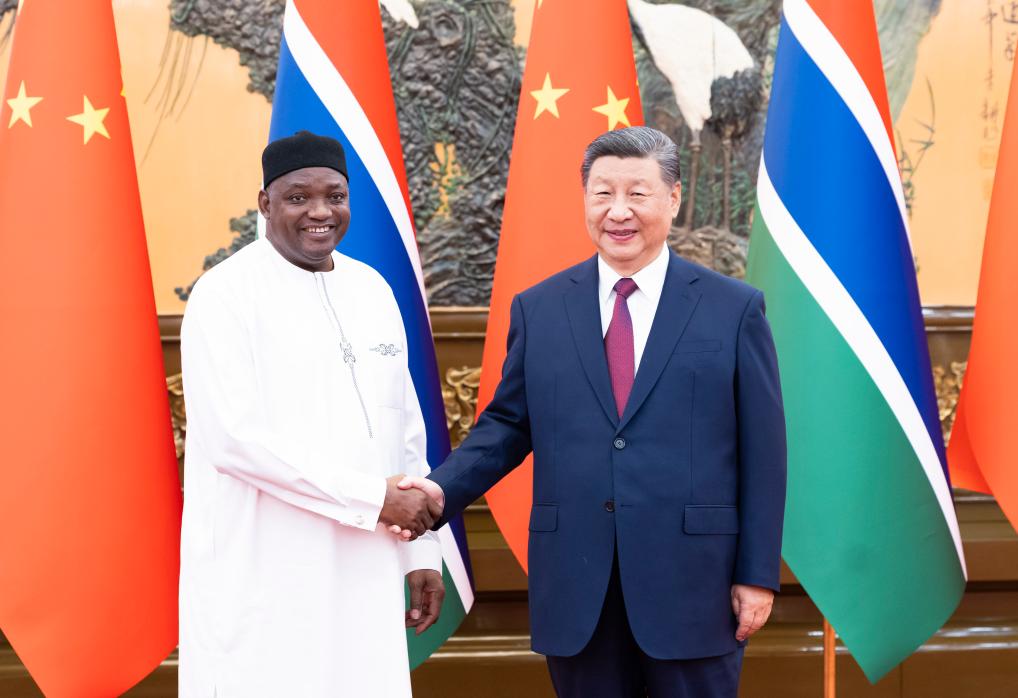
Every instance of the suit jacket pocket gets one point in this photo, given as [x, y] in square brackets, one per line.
[544, 517]
[715, 519]
[698, 346]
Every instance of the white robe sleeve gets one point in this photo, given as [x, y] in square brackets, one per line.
[219, 384]
[425, 553]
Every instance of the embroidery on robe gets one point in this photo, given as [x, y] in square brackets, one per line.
[387, 349]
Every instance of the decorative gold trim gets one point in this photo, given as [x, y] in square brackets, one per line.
[175, 389]
[948, 388]
[460, 396]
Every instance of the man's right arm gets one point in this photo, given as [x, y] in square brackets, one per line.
[501, 438]
[219, 386]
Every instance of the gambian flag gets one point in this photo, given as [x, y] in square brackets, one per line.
[333, 80]
[870, 528]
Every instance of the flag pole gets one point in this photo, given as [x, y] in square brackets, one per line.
[830, 668]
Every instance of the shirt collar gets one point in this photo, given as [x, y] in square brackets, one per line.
[650, 280]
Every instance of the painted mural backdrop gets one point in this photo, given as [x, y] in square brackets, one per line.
[199, 77]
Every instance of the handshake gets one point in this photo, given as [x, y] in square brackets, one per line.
[412, 505]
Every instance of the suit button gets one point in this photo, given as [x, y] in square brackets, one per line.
[609, 506]
[619, 443]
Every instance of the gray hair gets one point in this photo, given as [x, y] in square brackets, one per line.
[635, 142]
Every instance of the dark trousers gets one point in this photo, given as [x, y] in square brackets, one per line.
[612, 665]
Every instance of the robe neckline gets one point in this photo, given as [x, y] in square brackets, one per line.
[289, 268]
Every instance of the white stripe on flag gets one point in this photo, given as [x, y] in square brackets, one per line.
[337, 97]
[828, 55]
[850, 321]
[454, 561]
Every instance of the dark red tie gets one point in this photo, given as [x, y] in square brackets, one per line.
[618, 345]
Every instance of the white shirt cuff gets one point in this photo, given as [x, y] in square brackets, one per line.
[425, 553]
[365, 495]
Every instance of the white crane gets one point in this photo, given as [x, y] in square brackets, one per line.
[401, 11]
[692, 49]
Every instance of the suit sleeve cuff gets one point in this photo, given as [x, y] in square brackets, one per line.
[771, 582]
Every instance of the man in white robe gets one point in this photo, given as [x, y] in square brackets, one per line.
[302, 417]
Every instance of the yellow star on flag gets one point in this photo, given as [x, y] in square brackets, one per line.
[21, 106]
[614, 109]
[91, 119]
[547, 97]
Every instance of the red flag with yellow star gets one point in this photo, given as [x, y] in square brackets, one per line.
[89, 490]
[579, 81]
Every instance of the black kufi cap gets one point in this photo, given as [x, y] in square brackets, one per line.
[302, 149]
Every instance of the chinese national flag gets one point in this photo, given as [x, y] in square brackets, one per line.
[580, 81]
[89, 492]
[981, 453]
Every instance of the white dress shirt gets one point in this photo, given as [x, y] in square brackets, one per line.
[642, 303]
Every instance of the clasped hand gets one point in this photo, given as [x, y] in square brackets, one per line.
[412, 505]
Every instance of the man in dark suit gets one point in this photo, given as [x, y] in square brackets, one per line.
[647, 388]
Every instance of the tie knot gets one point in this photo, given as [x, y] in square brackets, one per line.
[625, 287]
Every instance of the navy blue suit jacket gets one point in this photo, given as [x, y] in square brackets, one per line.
[689, 483]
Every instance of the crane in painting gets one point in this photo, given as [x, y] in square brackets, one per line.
[713, 77]
[401, 11]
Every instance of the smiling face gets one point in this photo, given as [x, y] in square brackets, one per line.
[629, 210]
[306, 212]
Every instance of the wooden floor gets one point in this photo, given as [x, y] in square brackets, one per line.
[974, 656]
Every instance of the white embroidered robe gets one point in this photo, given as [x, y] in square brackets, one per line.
[289, 586]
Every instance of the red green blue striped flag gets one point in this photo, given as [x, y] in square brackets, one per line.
[870, 526]
[333, 79]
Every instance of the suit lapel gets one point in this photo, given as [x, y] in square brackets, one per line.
[585, 322]
[674, 309]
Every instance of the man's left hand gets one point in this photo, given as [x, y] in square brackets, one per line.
[752, 606]
[427, 591]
